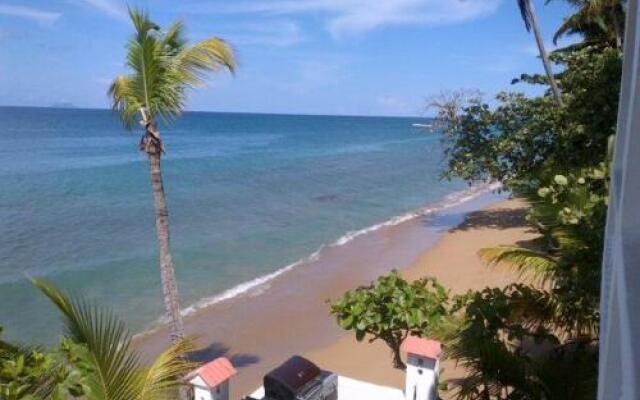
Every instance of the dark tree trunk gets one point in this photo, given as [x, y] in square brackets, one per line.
[615, 20]
[167, 274]
[397, 360]
[543, 54]
[395, 344]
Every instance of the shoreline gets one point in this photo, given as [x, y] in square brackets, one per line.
[452, 200]
[288, 314]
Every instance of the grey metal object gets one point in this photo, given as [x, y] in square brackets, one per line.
[300, 379]
[619, 369]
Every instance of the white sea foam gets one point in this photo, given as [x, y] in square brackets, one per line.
[259, 285]
[449, 201]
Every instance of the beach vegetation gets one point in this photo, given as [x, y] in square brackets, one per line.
[94, 360]
[597, 21]
[163, 66]
[511, 339]
[31, 373]
[509, 350]
[392, 309]
[523, 139]
[538, 339]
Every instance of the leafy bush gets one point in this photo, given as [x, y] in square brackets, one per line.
[524, 138]
[391, 309]
[539, 340]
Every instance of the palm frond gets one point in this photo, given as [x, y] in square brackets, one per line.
[162, 378]
[162, 67]
[101, 351]
[142, 23]
[525, 12]
[209, 55]
[110, 366]
[491, 365]
[174, 38]
[125, 101]
[529, 263]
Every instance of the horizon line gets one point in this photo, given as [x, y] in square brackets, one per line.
[227, 112]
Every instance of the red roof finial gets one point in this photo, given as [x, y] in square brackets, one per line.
[215, 372]
[422, 347]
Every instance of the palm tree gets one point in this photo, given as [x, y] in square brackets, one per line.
[596, 20]
[162, 68]
[565, 261]
[531, 22]
[99, 348]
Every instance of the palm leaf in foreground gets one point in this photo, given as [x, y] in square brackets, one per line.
[110, 368]
[162, 379]
[109, 364]
[529, 263]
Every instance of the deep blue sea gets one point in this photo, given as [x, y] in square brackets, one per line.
[248, 194]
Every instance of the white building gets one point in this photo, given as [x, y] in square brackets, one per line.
[211, 381]
[423, 366]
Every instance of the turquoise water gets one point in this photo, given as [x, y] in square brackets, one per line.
[248, 194]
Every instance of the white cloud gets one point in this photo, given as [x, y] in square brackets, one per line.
[34, 14]
[281, 33]
[344, 17]
[112, 8]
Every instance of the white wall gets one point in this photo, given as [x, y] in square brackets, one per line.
[202, 392]
[421, 378]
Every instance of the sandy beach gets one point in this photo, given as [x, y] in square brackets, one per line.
[454, 262]
[290, 315]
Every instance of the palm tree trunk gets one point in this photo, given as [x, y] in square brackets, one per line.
[543, 53]
[167, 274]
[616, 27]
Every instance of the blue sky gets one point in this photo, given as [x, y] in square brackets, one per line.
[359, 57]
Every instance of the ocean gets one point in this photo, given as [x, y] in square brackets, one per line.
[250, 196]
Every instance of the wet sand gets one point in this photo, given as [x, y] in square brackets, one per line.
[289, 315]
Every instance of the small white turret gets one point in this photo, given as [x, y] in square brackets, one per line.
[423, 365]
[211, 381]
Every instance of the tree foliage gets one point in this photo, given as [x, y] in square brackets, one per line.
[99, 349]
[597, 21]
[163, 67]
[392, 309]
[94, 361]
[504, 341]
[29, 373]
[522, 138]
[510, 339]
[538, 339]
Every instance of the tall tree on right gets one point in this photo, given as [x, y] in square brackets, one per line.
[530, 18]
